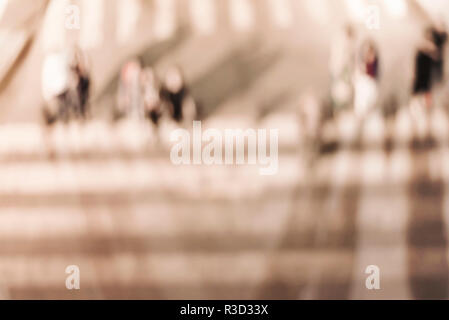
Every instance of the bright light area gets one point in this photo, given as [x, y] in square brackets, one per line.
[203, 14]
[396, 8]
[3, 5]
[318, 9]
[54, 32]
[281, 12]
[92, 23]
[356, 9]
[129, 12]
[164, 25]
[55, 77]
[437, 8]
[241, 14]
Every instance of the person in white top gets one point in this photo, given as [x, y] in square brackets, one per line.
[56, 78]
[366, 79]
[129, 96]
[65, 85]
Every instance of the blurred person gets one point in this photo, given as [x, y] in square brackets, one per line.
[151, 92]
[342, 65]
[82, 82]
[176, 94]
[439, 37]
[311, 119]
[129, 98]
[366, 79]
[426, 57]
[65, 85]
[56, 80]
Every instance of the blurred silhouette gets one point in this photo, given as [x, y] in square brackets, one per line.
[342, 65]
[311, 120]
[366, 76]
[151, 92]
[177, 96]
[129, 96]
[439, 36]
[65, 85]
[55, 85]
[79, 68]
[426, 58]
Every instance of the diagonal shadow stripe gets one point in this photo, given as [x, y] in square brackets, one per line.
[232, 75]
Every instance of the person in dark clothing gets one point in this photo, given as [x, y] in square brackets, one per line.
[176, 100]
[176, 94]
[423, 80]
[83, 89]
[371, 60]
[439, 37]
[81, 83]
[425, 60]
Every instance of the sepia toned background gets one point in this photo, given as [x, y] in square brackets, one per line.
[99, 195]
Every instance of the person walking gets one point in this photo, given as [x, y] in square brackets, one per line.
[366, 79]
[151, 92]
[176, 94]
[129, 99]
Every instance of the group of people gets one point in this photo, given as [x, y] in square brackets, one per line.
[354, 68]
[66, 85]
[141, 94]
